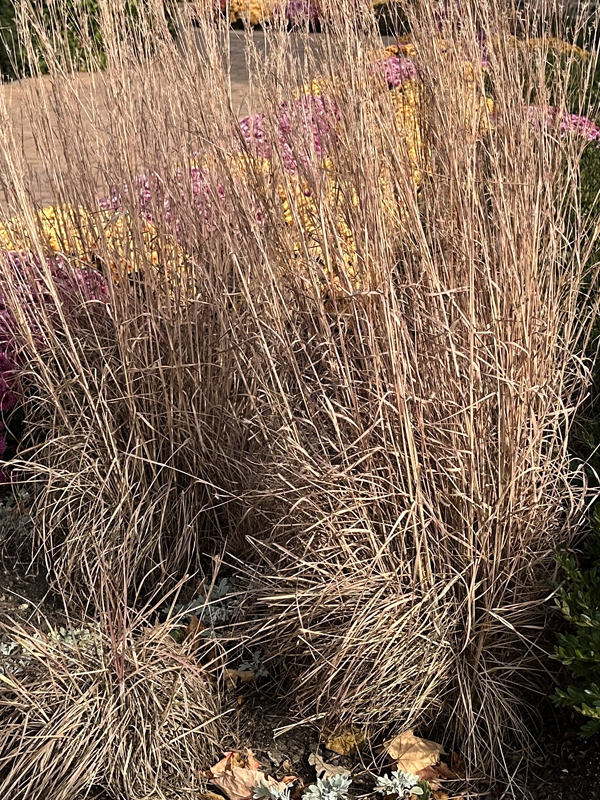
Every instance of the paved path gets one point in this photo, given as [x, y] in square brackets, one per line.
[15, 96]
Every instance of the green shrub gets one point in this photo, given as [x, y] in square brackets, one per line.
[578, 597]
[590, 179]
[7, 38]
[74, 14]
[585, 436]
[79, 20]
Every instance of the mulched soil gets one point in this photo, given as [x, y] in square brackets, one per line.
[569, 768]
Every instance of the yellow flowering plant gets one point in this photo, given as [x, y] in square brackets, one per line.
[90, 235]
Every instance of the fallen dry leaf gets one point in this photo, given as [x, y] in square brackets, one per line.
[440, 795]
[347, 742]
[194, 627]
[457, 764]
[325, 770]
[435, 773]
[412, 753]
[209, 796]
[298, 790]
[428, 774]
[444, 772]
[238, 773]
[232, 676]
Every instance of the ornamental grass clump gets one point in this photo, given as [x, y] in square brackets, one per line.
[354, 375]
[133, 714]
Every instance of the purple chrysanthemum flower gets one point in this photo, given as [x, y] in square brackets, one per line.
[564, 122]
[8, 398]
[154, 201]
[30, 291]
[317, 114]
[397, 70]
[301, 11]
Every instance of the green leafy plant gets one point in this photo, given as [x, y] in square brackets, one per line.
[7, 37]
[254, 664]
[578, 597]
[79, 19]
[209, 608]
[72, 22]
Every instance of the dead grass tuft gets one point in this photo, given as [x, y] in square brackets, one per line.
[135, 715]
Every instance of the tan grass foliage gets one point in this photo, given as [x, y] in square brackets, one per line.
[381, 442]
[134, 715]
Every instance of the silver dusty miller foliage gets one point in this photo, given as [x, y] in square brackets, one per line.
[400, 783]
[268, 791]
[335, 787]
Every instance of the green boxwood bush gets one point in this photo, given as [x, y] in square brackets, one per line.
[13, 61]
[578, 597]
[8, 38]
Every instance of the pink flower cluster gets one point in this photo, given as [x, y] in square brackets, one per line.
[397, 70]
[298, 12]
[317, 114]
[563, 122]
[154, 202]
[8, 397]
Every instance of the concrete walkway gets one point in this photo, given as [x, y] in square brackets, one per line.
[91, 93]
[15, 96]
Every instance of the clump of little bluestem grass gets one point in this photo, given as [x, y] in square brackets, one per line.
[133, 713]
[350, 365]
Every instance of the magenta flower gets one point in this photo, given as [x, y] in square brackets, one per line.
[29, 274]
[300, 11]
[317, 114]
[564, 122]
[8, 398]
[397, 70]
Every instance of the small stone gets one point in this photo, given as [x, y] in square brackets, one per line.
[23, 606]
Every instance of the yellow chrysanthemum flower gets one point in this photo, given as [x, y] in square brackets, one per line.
[336, 254]
[406, 100]
[554, 43]
[317, 87]
[77, 232]
[91, 235]
[254, 11]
